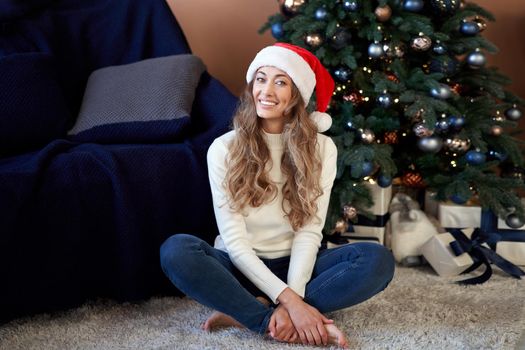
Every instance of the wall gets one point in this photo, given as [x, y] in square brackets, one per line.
[224, 34]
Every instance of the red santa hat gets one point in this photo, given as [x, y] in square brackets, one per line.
[307, 73]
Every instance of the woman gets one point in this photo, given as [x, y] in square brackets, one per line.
[271, 179]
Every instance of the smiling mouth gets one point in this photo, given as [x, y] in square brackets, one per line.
[267, 103]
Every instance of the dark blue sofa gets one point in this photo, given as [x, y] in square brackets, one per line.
[81, 221]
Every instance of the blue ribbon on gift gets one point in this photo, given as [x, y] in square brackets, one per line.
[481, 254]
[338, 238]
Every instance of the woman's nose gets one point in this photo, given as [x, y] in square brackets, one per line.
[267, 89]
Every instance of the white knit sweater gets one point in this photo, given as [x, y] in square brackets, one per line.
[264, 231]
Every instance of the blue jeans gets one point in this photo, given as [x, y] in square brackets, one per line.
[342, 277]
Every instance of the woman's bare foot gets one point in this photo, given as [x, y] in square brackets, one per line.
[221, 320]
[335, 336]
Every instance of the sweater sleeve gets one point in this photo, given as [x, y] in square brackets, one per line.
[308, 239]
[232, 228]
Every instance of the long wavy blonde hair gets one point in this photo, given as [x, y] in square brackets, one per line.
[247, 181]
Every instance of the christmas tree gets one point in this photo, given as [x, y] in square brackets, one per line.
[414, 100]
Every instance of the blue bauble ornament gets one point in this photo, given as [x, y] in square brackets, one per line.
[375, 50]
[439, 48]
[469, 28]
[321, 14]
[444, 7]
[495, 155]
[447, 65]
[475, 158]
[367, 168]
[342, 74]
[340, 39]
[431, 144]
[442, 92]
[442, 125]
[456, 122]
[384, 181]
[476, 59]
[350, 5]
[384, 100]
[458, 199]
[277, 30]
[413, 5]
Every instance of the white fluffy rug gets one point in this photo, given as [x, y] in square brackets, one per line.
[419, 310]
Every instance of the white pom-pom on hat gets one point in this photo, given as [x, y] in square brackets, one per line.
[323, 120]
[307, 73]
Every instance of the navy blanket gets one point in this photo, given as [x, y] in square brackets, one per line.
[81, 221]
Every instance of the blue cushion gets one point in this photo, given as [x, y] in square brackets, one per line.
[145, 101]
[33, 110]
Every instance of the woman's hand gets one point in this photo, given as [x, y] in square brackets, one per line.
[281, 327]
[307, 320]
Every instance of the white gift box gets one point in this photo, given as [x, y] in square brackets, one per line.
[440, 256]
[512, 251]
[381, 197]
[451, 215]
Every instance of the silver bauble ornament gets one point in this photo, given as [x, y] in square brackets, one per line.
[431, 144]
[513, 114]
[375, 50]
[442, 92]
[421, 43]
[476, 59]
[513, 221]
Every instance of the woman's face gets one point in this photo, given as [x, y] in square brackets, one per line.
[272, 91]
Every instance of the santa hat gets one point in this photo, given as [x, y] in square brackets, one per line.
[307, 73]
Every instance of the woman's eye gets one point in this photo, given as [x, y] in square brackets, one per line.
[281, 82]
[260, 80]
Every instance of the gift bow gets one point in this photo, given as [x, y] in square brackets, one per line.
[481, 254]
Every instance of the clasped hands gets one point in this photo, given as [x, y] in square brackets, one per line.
[294, 320]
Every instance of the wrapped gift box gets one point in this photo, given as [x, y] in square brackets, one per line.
[366, 229]
[439, 254]
[511, 244]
